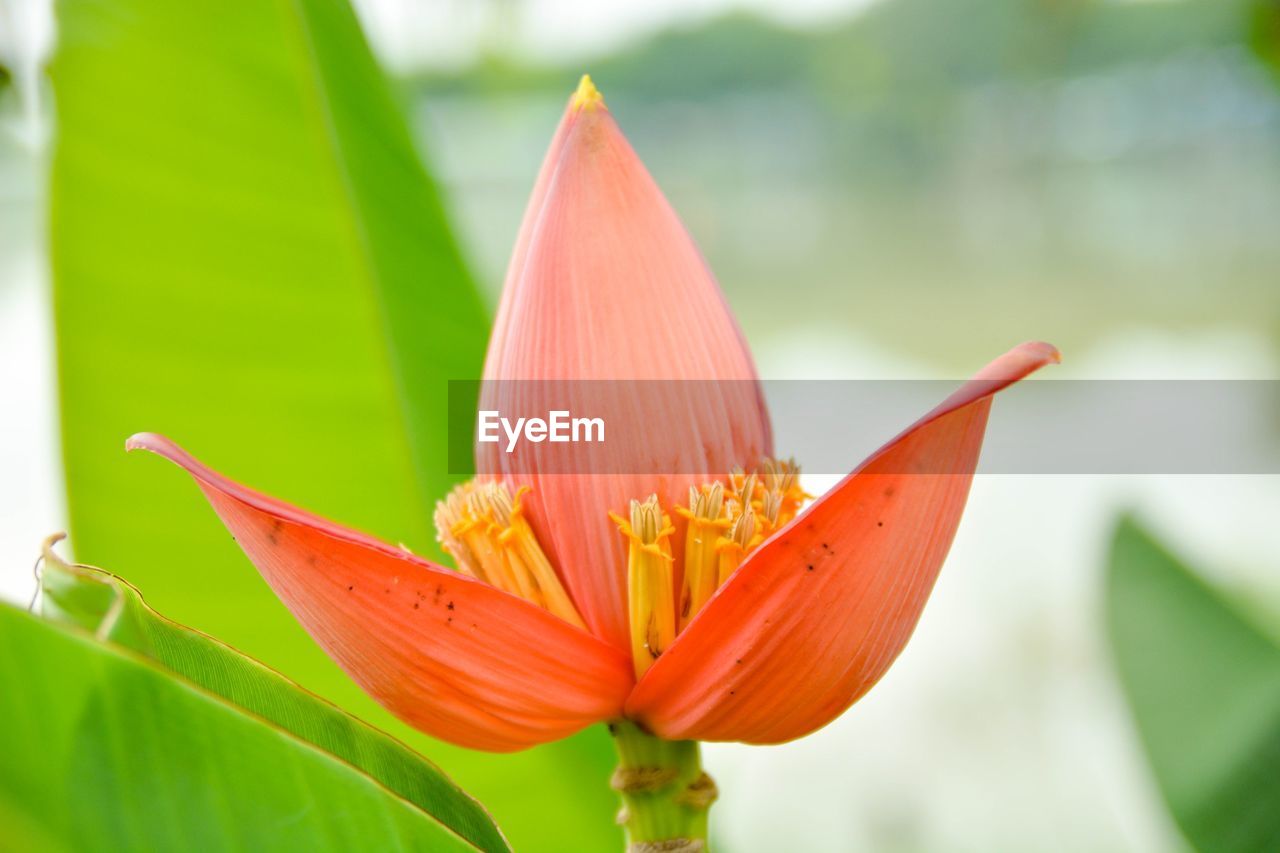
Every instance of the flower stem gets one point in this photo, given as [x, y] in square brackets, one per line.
[665, 793]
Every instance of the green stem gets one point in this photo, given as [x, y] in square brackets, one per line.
[665, 793]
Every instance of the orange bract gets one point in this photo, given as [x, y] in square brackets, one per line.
[449, 655]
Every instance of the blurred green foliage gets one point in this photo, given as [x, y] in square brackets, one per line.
[1264, 33]
[110, 753]
[1057, 169]
[1204, 687]
[888, 68]
[216, 747]
[249, 256]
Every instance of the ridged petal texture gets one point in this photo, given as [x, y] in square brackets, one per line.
[606, 284]
[451, 656]
[813, 619]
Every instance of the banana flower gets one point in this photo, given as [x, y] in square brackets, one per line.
[676, 607]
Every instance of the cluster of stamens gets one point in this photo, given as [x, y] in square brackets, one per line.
[724, 521]
[483, 528]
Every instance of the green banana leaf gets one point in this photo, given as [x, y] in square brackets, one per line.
[249, 256]
[1204, 687]
[107, 751]
[104, 605]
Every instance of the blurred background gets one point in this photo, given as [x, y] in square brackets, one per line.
[902, 188]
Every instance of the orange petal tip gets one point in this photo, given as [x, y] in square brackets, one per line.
[147, 441]
[1047, 352]
[587, 97]
[161, 446]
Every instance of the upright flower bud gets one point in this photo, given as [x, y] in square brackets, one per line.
[606, 284]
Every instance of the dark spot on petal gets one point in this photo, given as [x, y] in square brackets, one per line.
[733, 692]
[450, 605]
[879, 524]
[810, 567]
[449, 621]
[738, 661]
[889, 490]
[387, 590]
[353, 586]
[416, 605]
[271, 537]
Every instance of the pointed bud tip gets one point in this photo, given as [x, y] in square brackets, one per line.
[587, 97]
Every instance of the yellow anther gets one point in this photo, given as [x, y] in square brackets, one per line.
[707, 522]
[745, 487]
[490, 505]
[732, 549]
[771, 508]
[783, 495]
[527, 558]
[779, 474]
[650, 590]
[452, 514]
[475, 530]
[482, 526]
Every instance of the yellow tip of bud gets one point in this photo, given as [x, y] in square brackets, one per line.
[587, 97]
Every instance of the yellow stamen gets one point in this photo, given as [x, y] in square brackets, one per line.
[649, 581]
[484, 529]
[732, 549]
[706, 516]
[779, 474]
[526, 555]
[587, 97]
[782, 478]
[745, 488]
[771, 509]
[492, 508]
[474, 530]
[451, 514]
